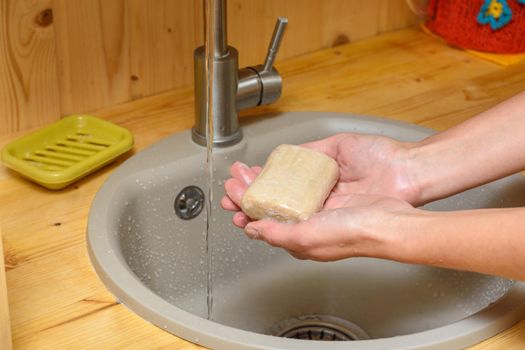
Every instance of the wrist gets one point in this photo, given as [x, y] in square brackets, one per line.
[413, 190]
[421, 182]
[402, 236]
[433, 170]
[391, 236]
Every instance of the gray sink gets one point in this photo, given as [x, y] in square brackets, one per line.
[156, 264]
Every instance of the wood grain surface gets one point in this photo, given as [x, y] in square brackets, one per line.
[59, 57]
[29, 91]
[5, 324]
[56, 299]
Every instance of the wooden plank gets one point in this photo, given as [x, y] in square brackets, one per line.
[441, 91]
[313, 24]
[394, 14]
[109, 52]
[162, 40]
[57, 301]
[251, 25]
[29, 94]
[511, 339]
[93, 53]
[5, 323]
[84, 310]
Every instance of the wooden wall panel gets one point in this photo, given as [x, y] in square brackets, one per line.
[162, 39]
[251, 25]
[112, 51]
[29, 94]
[92, 40]
[313, 24]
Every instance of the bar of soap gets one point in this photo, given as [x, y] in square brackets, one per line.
[293, 184]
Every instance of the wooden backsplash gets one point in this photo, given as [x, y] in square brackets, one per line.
[59, 57]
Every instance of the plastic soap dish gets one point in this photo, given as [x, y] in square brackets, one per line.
[67, 150]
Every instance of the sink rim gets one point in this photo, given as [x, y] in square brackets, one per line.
[115, 273]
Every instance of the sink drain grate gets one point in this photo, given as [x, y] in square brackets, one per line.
[189, 202]
[319, 327]
[317, 332]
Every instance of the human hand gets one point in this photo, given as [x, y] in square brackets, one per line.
[354, 220]
[348, 226]
[368, 165]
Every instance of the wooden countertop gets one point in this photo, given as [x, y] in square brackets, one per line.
[57, 301]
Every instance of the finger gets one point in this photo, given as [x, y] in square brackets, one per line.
[240, 219]
[272, 232]
[242, 172]
[296, 255]
[235, 189]
[227, 204]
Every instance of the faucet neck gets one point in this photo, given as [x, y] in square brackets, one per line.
[223, 90]
[216, 20]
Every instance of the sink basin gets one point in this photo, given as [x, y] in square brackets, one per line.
[156, 263]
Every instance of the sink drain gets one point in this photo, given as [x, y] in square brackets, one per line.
[319, 327]
[189, 202]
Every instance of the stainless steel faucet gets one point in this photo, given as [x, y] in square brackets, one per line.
[233, 89]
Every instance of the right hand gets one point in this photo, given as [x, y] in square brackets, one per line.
[371, 164]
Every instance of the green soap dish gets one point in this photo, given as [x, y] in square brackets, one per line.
[65, 151]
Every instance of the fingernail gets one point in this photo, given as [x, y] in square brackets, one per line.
[251, 232]
[241, 164]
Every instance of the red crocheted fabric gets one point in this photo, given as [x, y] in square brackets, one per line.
[456, 21]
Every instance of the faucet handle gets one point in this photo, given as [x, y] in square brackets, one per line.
[275, 43]
[262, 84]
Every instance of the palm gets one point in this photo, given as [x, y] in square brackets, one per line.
[369, 165]
[333, 234]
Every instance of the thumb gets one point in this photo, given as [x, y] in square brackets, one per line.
[328, 145]
[272, 232]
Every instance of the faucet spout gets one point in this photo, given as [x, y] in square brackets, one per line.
[223, 68]
[232, 89]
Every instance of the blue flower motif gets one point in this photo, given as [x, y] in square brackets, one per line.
[496, 13]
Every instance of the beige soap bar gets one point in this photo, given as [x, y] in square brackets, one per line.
[293, 185]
